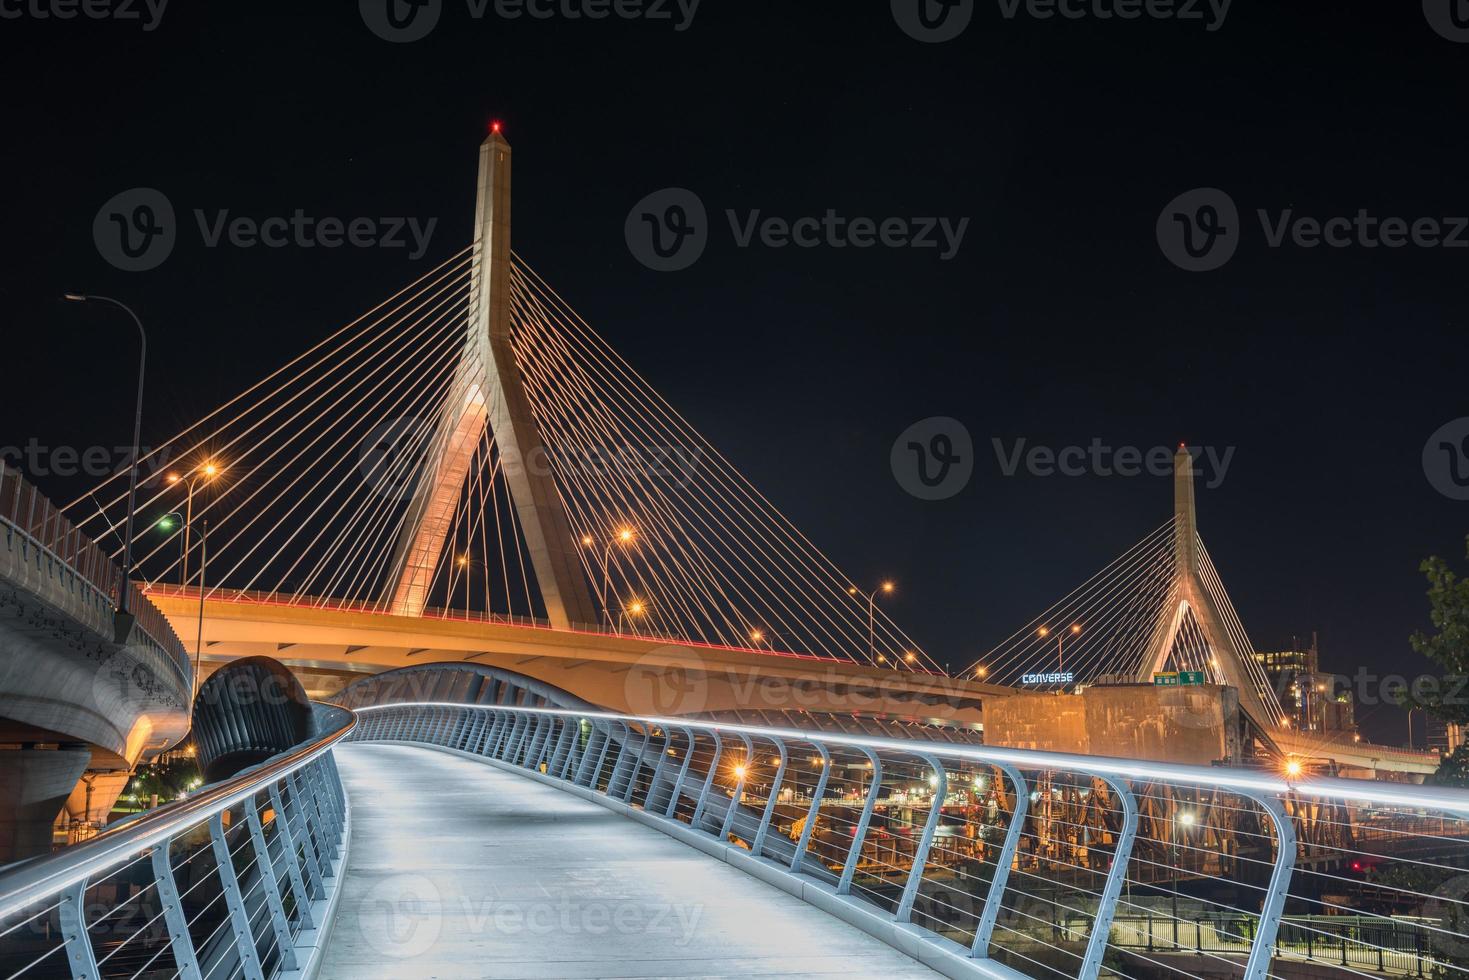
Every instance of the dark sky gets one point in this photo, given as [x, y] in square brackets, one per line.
[1059, 320]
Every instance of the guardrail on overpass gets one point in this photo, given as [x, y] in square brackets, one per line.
[46, 538]
[996, 862]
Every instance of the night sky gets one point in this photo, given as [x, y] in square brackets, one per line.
[1059, 320]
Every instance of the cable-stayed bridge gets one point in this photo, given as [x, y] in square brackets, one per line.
[567, 609]
[470, 472]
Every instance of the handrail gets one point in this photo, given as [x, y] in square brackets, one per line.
[32, 881]
[1079, 849]
[1322, 787]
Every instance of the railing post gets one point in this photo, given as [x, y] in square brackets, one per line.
[596, 738]
[780, 770]
[1258, 965]
[708, 780]
[293, 861]
[561, 753]
[992, 900]
[930, 826]
[676, 792]
[305, 838]
[739, 791]
[649, 801]
[601, 757]
[179, 940]
[859, 832]
[799, 858]
[234, 902]
[272, 887]
[81, 959]
[1096, 946]
[630, 777]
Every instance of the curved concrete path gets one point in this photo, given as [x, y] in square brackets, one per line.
[458, 869]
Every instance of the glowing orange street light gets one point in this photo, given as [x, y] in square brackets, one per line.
[981, 672]
[631, 611]
[886, 588]
[623, 536]
[1045, 631]
[1293, 768]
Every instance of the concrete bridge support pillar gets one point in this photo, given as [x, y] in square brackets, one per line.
[34, 784]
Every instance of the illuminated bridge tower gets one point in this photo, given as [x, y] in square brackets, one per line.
[489, 391]
[1197, 599]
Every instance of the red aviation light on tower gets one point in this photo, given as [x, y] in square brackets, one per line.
[495, 127]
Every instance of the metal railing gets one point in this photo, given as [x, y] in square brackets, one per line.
[46, 535]
[232, 882]
[1000, 862]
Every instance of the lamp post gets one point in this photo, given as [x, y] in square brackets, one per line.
[1045, 631]
[199, 639]
[127, 544]
[204, 472]
[630, 612]
[624, 537]
[885, 588]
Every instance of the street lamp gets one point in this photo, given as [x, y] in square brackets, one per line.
[631, 611]
[885, 588]
[1045, 631]
[625, 537]
[127, 544]
[206, 472]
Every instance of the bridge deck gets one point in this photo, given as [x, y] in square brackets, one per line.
[459, 869]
